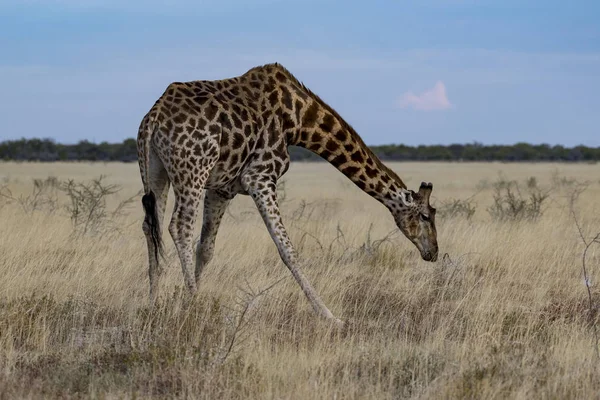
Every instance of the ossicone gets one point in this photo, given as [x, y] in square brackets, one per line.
[425, 190]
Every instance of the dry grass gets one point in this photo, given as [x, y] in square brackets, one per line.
[505, 315]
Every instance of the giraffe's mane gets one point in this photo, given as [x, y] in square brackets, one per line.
[355, 136]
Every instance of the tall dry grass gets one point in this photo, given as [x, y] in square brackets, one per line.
[504, 315]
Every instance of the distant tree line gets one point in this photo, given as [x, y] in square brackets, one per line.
[49, 150]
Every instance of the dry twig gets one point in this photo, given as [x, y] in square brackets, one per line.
[587, 243]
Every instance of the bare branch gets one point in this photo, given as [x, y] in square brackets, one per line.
[586, 279]
[241, 321]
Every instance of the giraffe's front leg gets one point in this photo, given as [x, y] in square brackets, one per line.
[214, 208]
[264, 194]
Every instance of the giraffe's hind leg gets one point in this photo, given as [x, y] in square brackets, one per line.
[188, 192]
[214, 208]
[181, 229]
[159, 185]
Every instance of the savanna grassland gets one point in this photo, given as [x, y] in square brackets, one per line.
[505, 314]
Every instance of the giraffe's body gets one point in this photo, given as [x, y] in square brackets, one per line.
[230, 137]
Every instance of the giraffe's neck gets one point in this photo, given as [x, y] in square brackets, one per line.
[324, 132]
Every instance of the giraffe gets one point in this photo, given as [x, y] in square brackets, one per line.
[229, 137]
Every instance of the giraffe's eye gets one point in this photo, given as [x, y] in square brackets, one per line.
[424, 217]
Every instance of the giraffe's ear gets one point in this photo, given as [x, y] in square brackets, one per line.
[425, 191]
[406, 197]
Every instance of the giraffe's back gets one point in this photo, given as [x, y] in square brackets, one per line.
[231, 119]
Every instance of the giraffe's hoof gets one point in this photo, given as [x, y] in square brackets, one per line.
[338, 322]
[192, 289]
[341, 327]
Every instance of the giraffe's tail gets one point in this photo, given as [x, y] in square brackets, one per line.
[147, 129]
[149, 203]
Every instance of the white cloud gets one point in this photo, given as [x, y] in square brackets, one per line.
[432, 99]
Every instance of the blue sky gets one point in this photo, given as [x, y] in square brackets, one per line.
[426, 72]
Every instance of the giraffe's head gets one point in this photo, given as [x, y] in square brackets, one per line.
[416, 219]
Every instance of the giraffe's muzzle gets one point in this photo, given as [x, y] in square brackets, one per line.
[430, 256]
